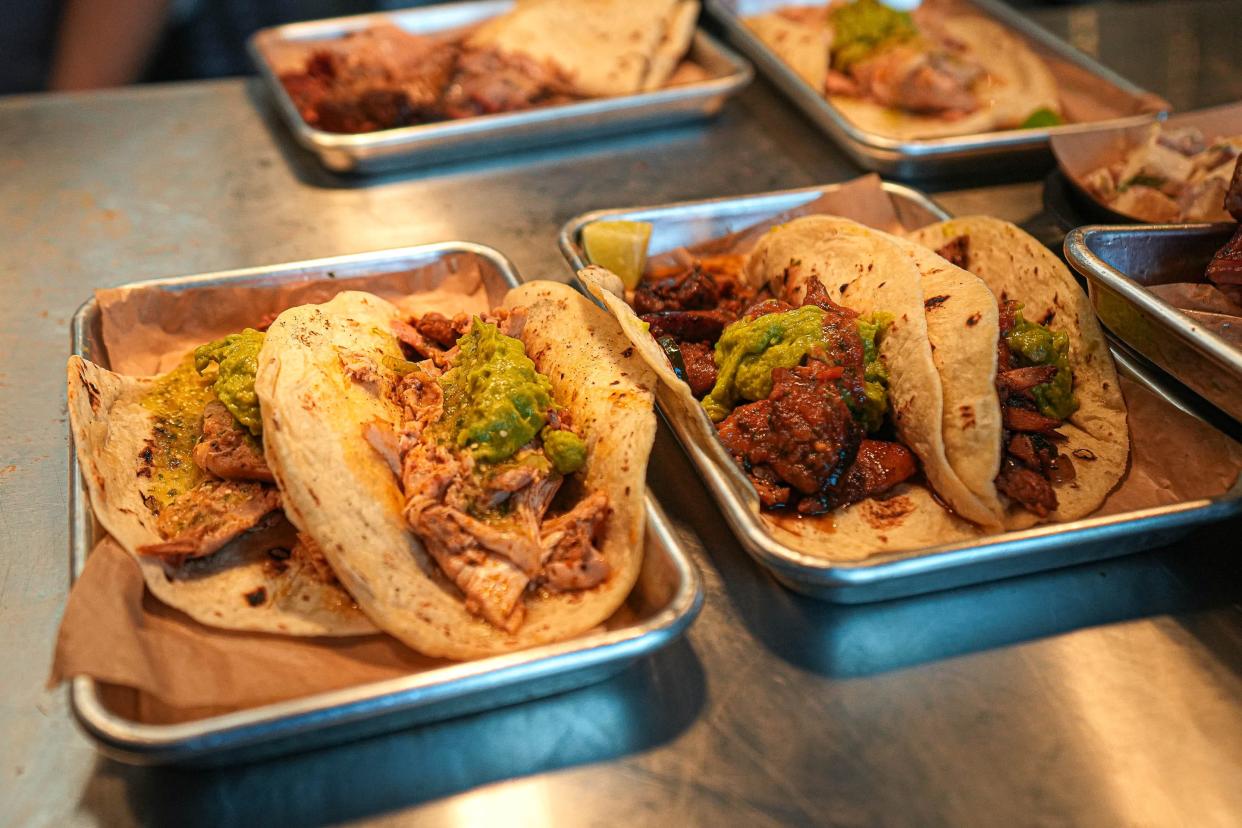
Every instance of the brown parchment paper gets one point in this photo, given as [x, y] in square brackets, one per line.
[1080, 153]
[1174, 457]
[158, 665]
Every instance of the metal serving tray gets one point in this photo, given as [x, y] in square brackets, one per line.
[919, 570]
[921, 158]
[665, 600]
[1120, 262]
[469, 137]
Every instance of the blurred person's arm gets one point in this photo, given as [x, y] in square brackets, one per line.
[105, 42]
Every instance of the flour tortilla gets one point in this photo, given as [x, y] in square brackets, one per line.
[110, 428]
[942, 369]
[605, 47]
[802, 46]
[1016, 266]
[338, 489]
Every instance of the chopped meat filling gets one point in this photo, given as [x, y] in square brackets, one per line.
[207, 517]
[957, 251]
[384, 78]
[700, 364]
[1030, 463]
[487, 528]
[226, 448]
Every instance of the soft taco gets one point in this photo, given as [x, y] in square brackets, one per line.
[476, 483]
[936, 72]
[175, 470]
[604, 47]
[829, 402]
[1065, 437]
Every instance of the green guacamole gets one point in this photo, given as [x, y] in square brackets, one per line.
[565, 449]
[1042, 117]
[1035, 344]
[864, 27]
[749, 350]
[875, 372]
[237, 356]
[495, 402]
[176, 400]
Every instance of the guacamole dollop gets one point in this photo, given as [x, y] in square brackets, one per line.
[237, 358]
[176, 401]
[1042, 117]
[875, 372]
[865, 26]
[495, 401]
[750, 349]
[1035, 344]
[565, 449]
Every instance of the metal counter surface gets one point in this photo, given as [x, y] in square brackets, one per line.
[1104, 695]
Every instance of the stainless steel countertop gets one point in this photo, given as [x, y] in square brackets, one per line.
[1103, 695]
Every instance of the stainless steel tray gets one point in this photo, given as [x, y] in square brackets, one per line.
[1010, 149]
[665, 600]
[469, 137]
[914, 571]
[1121, 261]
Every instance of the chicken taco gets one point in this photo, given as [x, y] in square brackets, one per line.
[936, 72]
[1065, 440]
[175, 469]
[476, 482]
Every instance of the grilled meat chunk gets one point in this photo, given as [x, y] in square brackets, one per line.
[205, 518]
[1024, 419]
[1226, 266]
[1030, 488]
[1017, 380]
[956, 251]
[441, 330]
[700, 364]
[879, 466]
[226, 448]
[691, 289]
[688, 326]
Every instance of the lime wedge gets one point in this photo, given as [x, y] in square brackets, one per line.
[619, 246]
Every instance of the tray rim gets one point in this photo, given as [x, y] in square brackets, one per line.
[144, 743]
[1085, 260]
[739, 76]
[932, 149]
[738, 503]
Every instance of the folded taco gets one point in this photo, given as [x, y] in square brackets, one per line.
[175, 469]
[476, 482]
[936, 72]
[1065, 438]
[828, 400]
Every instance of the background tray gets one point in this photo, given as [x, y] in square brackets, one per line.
[489, 134]
[925, 158]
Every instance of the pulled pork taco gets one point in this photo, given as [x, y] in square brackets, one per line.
[175, 469]
[936, 72]
[1065, 439]
[477, 483]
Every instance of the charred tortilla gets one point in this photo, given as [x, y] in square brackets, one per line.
[326, 380]
[1017, 267]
